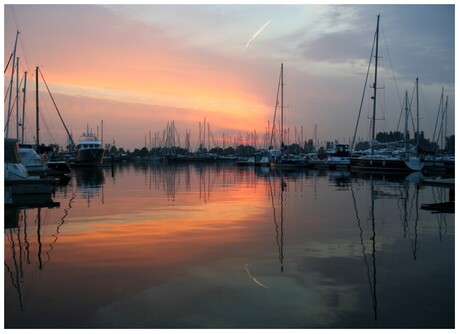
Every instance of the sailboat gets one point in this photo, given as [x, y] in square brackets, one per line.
[17, 180]
[403, 162]
[34, 157]
[281, 158]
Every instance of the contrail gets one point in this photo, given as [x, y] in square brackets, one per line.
[257, 33]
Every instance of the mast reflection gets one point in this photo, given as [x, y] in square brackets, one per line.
[407, 202]
[371, 280]
[18, 236]
[279, 228]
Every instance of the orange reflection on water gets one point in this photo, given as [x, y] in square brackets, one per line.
[166, 235]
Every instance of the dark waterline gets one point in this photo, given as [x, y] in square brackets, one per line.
[220, 246]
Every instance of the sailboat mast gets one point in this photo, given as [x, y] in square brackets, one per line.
[11, 81]
[375, 82]
[102, 135]
[24, 104]
[282, 107]
[37, 127]
[418, 125]
[17, 98]
[445, 123]
[406, 134]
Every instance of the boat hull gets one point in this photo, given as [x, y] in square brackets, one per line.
[289, 164]
[339, 163]
[93, 156]
[30, 185]
[203, 158]
[58, 167]
[385, 165]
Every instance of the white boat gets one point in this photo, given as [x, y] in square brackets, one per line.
[89, 150]
[314, 161]
[32, 161]
[444, 164]
[260, 158]
[340, 159]
[283, 160]
[16, 176]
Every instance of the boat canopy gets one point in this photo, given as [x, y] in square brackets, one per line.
[12, 151]
[29, 157]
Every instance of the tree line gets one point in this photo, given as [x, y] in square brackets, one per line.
[425, 147]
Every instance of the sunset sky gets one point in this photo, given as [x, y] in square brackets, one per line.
[138, 67]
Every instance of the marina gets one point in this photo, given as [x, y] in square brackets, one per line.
[189, 200]
[153, 245]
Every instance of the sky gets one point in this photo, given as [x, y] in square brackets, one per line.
[138, 68]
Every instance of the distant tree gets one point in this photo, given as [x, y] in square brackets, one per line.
[245, 150]
[361, 146]
[113, 149]
[309, 146]
[450, 144]
[425, 145]
[144, 152]
[322, 153]
[386, 137]
[229, 151]
[295, 149]
[216, 150]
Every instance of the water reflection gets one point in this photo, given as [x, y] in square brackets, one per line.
[90, 183]
[22, 240]
[278, 220]
[224, 246]
[341, 179]
[405, 193]
[373, 274]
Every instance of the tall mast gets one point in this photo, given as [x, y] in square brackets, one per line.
[17, 98]
[11, 80]
[418, 128]
[24, 105]
[406, 139]
[375, 82]
[282, 107]
[102, 135]
[445, 123]
[37, 127]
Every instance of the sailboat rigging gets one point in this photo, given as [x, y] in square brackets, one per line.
[402, 162]
[281, 157]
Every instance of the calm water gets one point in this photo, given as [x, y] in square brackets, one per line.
[152, 246]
